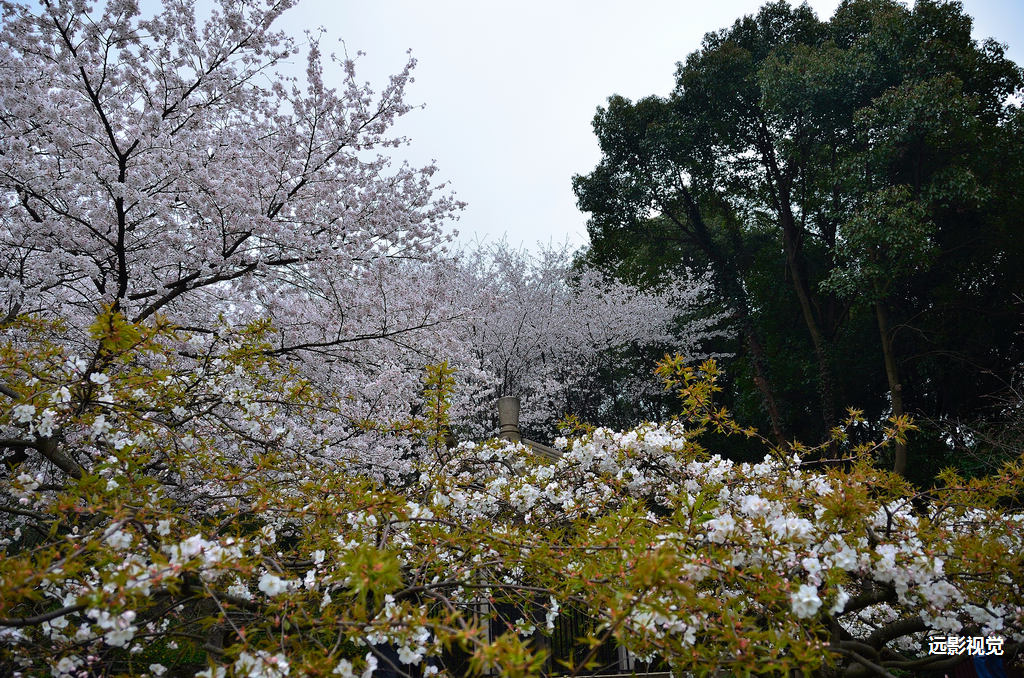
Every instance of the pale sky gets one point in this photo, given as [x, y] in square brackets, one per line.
[510, 88]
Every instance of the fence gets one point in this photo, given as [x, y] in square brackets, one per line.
[564, 646]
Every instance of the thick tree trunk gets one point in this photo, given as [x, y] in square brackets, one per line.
[792, 236]
[826, 390]
[893, 376]
[728, 278]
[761, 380]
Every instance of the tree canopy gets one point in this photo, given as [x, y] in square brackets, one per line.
[853, 185]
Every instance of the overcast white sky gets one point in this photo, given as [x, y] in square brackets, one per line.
[511, 87]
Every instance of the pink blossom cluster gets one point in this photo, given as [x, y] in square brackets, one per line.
[541, 329]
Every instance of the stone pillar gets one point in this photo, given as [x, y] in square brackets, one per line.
[508, 418]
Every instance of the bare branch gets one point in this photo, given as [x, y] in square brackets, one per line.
[39, 619]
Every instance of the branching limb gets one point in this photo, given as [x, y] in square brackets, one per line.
[40, 618]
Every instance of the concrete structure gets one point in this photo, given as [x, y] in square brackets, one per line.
[508, 419]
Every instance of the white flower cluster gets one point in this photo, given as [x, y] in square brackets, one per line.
[117, 630]
[214, 554]
[806, 602]
[773, 514]
[413, 641]
[272, 585]
[261, 665]
[344, 668]
[42, 423]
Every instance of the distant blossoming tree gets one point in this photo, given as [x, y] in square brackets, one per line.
[543, 329]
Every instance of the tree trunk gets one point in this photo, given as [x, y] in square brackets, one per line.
[757, 357]
[892, 374]
[728, 277]
[826, 390]
[781, 184]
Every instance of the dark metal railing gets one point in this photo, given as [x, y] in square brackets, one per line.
[565, 646]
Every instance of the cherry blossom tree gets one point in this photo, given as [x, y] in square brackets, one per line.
[544, 329]
[162, 165]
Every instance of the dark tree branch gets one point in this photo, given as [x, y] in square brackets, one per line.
[39, 619]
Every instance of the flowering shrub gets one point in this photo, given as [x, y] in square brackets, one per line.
[182, 498]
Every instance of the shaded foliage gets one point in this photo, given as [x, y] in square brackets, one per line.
[852, 184]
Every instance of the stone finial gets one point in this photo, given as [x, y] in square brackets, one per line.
[508, 418]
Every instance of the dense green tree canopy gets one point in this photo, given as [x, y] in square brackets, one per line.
[853, 186]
